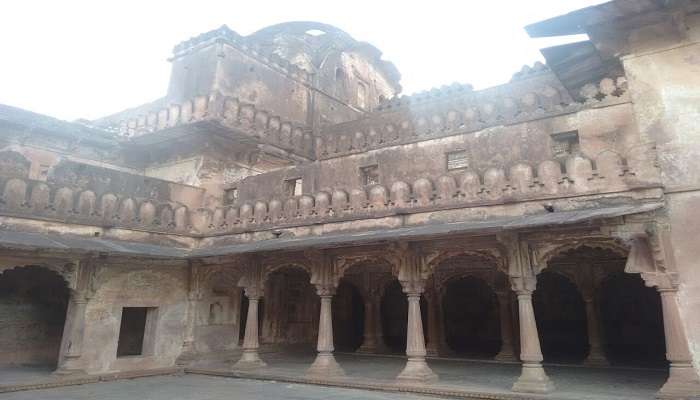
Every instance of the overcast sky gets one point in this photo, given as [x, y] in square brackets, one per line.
[85, 59]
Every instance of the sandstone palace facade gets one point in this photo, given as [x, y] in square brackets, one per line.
[283, 196]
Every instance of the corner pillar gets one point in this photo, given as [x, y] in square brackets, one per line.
[683, 380]
[194, 296]
[252, 283]
[73, 334]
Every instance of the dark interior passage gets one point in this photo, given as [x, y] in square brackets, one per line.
[561, 319]
[131, 331]
[33, 303]
[348, 317]
[632, 321]
[291, 308]
[394, 309]
[472, 325]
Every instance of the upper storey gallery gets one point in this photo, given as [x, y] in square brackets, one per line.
[304, 73]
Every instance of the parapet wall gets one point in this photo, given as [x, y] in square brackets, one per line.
[455, 110]
[576, 176]
[231, 113]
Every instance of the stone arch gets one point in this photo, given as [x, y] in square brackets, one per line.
[561, 317]
[471, 315]
[491, 255]
[465, 286]
[348, 316]
[33, 298]
[631, 321]
[544, 255]
[290, 307]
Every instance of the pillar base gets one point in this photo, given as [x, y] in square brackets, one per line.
[249, 360]
[62, 372]
[432, 352]
[417, 371]
[505, 355]
[187, 355]
[325, 366]
[368, 348]
[71, 366]
[533, 379]
[596, 360]
[683, 383]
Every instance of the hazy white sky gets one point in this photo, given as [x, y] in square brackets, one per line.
[85, 59]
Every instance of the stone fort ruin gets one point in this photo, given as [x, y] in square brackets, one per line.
[283, 196]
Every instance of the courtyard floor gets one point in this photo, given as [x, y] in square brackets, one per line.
[284, 378]
[199, 387]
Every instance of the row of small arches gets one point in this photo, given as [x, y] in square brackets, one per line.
[39, 199]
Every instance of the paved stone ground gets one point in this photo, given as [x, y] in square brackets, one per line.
[21, 374]
[572, 383]
[198, 387]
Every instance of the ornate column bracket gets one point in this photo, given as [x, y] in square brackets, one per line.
[253, 286]
[325, 276]
[533, 378]
[83, 287]
[412, 276]
[651, 256]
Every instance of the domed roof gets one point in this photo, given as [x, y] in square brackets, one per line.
[308, 44]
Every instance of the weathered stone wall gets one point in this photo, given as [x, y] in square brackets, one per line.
[124, 286]
[602, 131]
[663, 68]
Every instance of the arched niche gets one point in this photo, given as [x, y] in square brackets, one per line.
[394, 317]
[561, 318]
[471, 319]
[33, 304]
[348, 317]
[291, 306]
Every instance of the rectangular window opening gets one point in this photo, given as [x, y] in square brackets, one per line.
[370, 175]
[457, 160]
[293, 187]
[230, 196]
[565, 143]
[136, 331]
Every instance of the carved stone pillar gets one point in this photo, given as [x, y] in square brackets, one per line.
[683, 381]
[532, 379]
[378, 327]
[325, 364]
[507, 352]
[433, 345]
[369, 337]
[651, 255]
[70, 360]
[596, 356]
[250, 358]
[443, 346]
[416, 369]
[188, 347]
